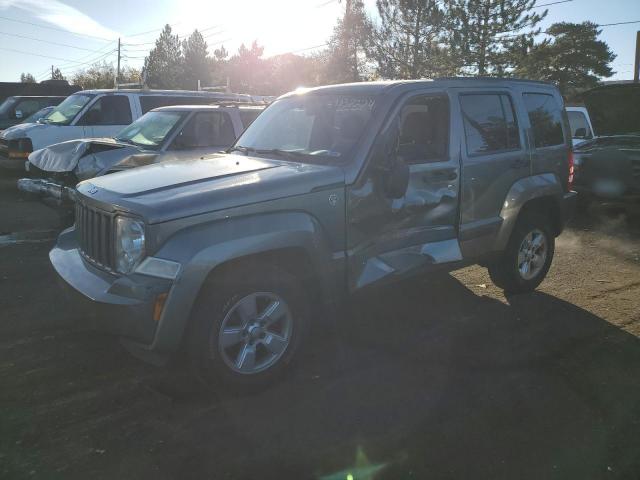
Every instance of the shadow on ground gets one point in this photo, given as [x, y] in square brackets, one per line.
[428, 381]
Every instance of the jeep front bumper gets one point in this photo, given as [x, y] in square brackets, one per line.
[123, 305]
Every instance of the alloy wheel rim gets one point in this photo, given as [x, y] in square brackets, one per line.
[532, 254]
[255, 333]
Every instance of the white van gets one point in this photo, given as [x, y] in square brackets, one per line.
[92, 113]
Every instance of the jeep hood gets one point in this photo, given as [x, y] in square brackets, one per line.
[614, 109]
[177, 189]
[65, 156]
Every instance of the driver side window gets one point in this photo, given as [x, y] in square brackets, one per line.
[424, 129]
[108, 110]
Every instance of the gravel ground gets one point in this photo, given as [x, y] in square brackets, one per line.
[440, 378]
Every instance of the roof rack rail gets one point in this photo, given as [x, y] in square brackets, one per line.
[240, 103]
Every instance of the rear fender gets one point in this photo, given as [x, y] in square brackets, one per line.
[545, 185]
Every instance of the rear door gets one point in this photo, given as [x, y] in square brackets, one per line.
[550, 136]
[494, 157]
[107, 116]
[390, 237]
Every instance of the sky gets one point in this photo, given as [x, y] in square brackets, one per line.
[73, 34]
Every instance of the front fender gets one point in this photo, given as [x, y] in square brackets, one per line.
[521, 192]
[200, 249]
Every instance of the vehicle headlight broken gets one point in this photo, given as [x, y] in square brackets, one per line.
[129, 243]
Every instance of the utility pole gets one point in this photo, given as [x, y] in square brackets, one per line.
[51, 72]
[118, 70]
[636, 70]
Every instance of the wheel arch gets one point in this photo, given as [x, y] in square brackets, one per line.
[293, 241]
[537, 193]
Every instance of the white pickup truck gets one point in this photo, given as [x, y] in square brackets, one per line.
[92, 113]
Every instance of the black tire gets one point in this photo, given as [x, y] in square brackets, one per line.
[218, 298]
[504, 271]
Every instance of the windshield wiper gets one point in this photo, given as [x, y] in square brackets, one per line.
[282, 153]
[240, 148]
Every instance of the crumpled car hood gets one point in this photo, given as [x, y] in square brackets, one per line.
[64, 156]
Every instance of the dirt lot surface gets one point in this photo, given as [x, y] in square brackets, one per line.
[439, 378]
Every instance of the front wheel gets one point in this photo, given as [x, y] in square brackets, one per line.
[247, 327]
[527, 258]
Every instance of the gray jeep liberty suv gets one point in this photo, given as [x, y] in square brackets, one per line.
[331, 190]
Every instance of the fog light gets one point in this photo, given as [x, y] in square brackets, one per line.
[158, 307]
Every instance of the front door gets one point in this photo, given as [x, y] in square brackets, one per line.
[387, 237]
[106, 116]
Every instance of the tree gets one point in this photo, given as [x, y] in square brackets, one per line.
[572, 57]
[246, 70]
[483, 32]
[346, 54]
[27, 78]
[408, 42]
[102, 75]
[163, 67]
[57, 75]
[197, 64]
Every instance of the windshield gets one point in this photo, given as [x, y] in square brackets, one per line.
[318, 127]
[34, 117]
[64, 113]
[7, 106]
[150, 130]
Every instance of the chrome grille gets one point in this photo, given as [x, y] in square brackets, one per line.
[95, 231]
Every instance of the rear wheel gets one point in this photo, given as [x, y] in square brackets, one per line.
[527, 258]
[247, 327]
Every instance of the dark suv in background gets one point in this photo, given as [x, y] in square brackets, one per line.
[329, 192]
[16, 109]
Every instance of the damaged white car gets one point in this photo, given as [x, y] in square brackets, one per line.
[163, 134]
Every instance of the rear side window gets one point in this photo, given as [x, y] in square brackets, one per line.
[490, 123]
[149, 102]
[577, 120]
[545, 116]
[248, 116]
[108, 110]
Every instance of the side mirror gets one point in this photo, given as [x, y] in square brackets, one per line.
[18, 114]
[580, 133]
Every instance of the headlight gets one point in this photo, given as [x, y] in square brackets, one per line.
[129, 243]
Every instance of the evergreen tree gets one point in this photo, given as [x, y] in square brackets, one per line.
[408, 42]
[246, 70]
[483, 32]
[346, 55]
[197, 64]
[57, 75]
[27, 78]
[572, 57]
[163, 67]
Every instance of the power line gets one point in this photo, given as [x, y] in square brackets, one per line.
[54, 28]
[552, 3]
[46, 41]
[617, 23]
